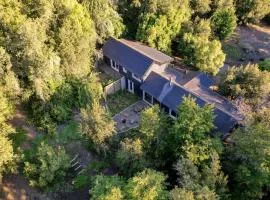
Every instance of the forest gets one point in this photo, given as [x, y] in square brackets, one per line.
[48, 55]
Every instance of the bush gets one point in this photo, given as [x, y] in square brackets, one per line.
[47, 166]
[18, 137]
[264, 65]
[245, 81]
[107, 187]
[251, 11]
[81, 181]
[223, 23]
[47, 115]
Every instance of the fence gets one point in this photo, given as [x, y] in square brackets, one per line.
[115, 87]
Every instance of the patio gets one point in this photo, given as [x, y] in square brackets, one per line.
[130, 117]
[107, 75]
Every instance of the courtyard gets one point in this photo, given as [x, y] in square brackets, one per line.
[130, 117]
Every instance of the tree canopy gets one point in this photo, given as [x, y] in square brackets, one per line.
[245, 81]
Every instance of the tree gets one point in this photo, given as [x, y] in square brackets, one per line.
[130, 157]
[205, 181]
[8, 81]
[248, 161]
[107, 188]
[153, 124]
[7, 154]
[147, 185]
[159, 28]
[199, 51]
[252, 10]
[107, 21]
[245, 81]
[193, 122]
[223, 23]
[222, 5]
[47, 167]
[154, 127]
[77, 39]
[200, 7]
[96, 125]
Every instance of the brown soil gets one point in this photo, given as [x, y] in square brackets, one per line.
[16, 187]
[250, 43]
[19, 120]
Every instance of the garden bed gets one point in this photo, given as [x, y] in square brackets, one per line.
[120, 100]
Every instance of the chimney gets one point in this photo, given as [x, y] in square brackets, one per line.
[170, 81]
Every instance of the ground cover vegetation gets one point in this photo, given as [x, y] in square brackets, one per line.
[47, 59]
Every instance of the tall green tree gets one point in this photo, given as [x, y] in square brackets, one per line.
[130, 157]
[7, 154]
[107, 20]
[97, 125]
[47, 167]
[107, 188]
[77, 38]
[248, 161]
[154, 128]
[223, 23]
[8, 80]
[147, 185]
[245, 81]
[159, 27]
[199, 50]
[252, 10]
[199, 181]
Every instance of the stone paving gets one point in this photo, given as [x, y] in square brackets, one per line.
[130, 117]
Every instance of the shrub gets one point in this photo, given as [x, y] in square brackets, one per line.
[107, 188]
[264, 65]
[223, 23]
[81, 181]
[245, 81]
[47, 167]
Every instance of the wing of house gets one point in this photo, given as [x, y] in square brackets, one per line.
[148, 74]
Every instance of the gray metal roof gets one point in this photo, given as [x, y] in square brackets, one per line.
[154, 85]
[201, 80]
[127, 57]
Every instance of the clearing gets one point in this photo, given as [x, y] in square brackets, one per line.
[248, 44]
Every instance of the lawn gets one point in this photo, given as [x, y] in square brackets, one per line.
[120, 100]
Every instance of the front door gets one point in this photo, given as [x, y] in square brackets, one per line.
[130, 86]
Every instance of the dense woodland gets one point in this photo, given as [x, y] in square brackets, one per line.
[47, 68]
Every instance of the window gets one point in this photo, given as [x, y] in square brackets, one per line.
[124, 70]
[114, 65]
[147, 97]
[173, 114]
[136, 77]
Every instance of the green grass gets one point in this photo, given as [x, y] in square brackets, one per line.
[232, 52]
[69, 133]
[81, 181]
[120, 100]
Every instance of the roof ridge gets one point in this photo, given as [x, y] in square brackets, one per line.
[121, 41]
[141, 52]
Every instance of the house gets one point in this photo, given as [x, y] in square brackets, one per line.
[148, 74]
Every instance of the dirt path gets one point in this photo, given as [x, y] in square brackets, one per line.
[20, 121]
[15, 186]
